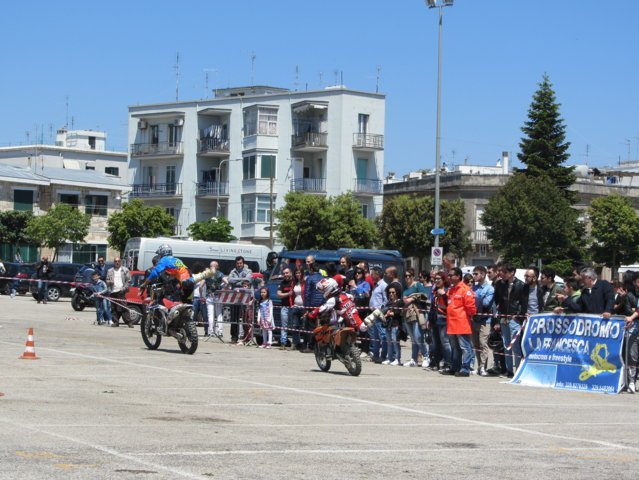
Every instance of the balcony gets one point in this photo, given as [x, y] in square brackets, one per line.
[309, 142]
[368, 142]
[156, 149]
[213, 147]
[480, 236]
[368, 186]
[308, 185]
[213, 189]
[156, 190]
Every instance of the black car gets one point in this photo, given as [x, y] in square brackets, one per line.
[16, 270]
[64, 273]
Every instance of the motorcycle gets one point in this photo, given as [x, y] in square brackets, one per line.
[81, 297]
[166, 318]
[337, 343]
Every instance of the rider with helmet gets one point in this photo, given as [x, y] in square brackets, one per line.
[337, 303]
[173, 268]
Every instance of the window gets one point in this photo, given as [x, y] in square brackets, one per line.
[89, 167]
[248, 210]
[362, 123]
[112, 171]
[149, 175]
[260, 121]
[96, 205]
[175, 134]
[268, 166]
[364, 210]
[23, 200]
[170, 175]
[248, 167]
[72, 199]
[256, 209]
[267, 121]
[264, 208]
[92, 143]
[155, 134]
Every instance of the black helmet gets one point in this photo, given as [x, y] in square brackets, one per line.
[164, 251]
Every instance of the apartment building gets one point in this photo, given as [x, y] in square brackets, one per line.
[226, 156]
[37, 190]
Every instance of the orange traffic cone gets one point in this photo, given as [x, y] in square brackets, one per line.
[29, 351]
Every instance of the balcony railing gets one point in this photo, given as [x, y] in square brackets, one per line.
[156, 190]
[212, 145]
[161, 148]
[368, 185]
[311, 185]
[218, 189]
[480, 236]
[368, 140]
[317, 140]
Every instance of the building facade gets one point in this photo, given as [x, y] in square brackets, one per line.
[475, 185]
[37, 190]
[238, 154]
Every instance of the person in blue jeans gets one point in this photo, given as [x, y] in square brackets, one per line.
[394, 324]
[102, 305]
[285, 294]
[414, 329]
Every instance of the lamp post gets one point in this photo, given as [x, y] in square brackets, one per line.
[440, 6]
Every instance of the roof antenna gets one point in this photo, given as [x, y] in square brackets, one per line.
[297, 77]
[379, 71]
[176, 67]
[206, 79]
[253, 57]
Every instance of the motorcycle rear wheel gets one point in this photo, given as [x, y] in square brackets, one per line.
[323, 361]
[148, 328]
[77, 304]
[189, 344]
[353, 362]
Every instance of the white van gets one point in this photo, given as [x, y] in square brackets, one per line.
[139, 252]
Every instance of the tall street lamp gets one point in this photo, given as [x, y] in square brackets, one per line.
[440, 6]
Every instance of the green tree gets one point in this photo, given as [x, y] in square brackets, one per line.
[406, 222]
[313, 221]
[212, 230]
[13, 226]
[544, 149]
[137, 220]
[615, 229]
[531, 219]
[62, 223]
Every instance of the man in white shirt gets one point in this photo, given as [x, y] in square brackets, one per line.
[118, 280]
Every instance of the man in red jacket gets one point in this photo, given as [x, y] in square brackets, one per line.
[459, 313]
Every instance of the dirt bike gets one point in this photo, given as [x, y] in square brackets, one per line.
[166, 318]
[332, 343]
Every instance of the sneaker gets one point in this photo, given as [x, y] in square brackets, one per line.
[494, 371]
[425, 364]
[395, 363]
[410, 363]
[109, 323]
[483, 372]
[447, 371]
[13, 294]
[462, 374]
[386, 362]
[632, 388]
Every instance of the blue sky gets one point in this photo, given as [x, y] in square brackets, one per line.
[106, 56]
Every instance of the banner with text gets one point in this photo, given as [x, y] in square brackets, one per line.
[574, 352]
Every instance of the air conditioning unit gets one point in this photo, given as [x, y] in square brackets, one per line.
[178, 122]
[142, 124]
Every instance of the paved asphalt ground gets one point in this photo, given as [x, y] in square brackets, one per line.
[99, 405]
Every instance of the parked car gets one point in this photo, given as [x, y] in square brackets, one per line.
[62, 272]
[17, 270]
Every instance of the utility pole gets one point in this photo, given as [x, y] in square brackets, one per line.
[270, 198]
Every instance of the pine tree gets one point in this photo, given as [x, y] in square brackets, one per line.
[544, 149]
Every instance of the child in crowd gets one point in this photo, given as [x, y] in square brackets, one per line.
[265, 318]
[102, 305]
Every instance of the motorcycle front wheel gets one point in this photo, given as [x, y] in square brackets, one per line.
[352, 361]
[323, 361]
[77, 303]
[190, 339]
[148, 328]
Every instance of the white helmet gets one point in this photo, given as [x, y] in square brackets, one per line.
[327, 286]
